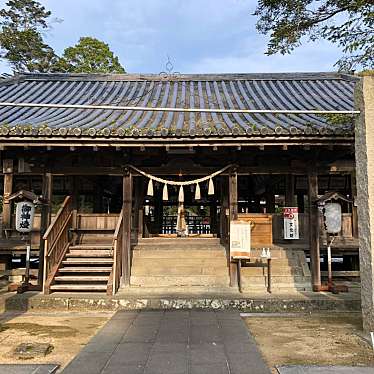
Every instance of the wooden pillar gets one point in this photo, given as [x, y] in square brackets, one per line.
[45, 219]
[300, 202]
[127, 210]
[159, 211]
[224, 206]
[8, 187]
[314, 228]
[233, 200]
[138, 206]
[290, 190]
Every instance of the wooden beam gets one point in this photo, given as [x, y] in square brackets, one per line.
[8, 189]
[127, 210]
[45, 219]
[314, 230]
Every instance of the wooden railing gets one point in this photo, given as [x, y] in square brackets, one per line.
[115, 275]
[56, 242]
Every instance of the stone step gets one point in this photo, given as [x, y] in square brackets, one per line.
[275, 279]
[275, 262]
[285, 270]
[79, 287]
[88, 261]
[141, 270]
[177, 262]
[82, 278]
[86, 269]
[185, 247]
[157, 281]
[179, 253]
[302, 286]
[89, 253]
[179, 241]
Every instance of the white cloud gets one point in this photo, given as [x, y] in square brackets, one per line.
[200, 36]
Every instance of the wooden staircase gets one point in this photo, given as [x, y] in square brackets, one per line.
[82, 252]
[86, 267]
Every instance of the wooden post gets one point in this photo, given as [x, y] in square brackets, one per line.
[300, 202]
[138, 206]
[290, 190]
[45, 220]
[8, 186]
[233, 200]
[314, 228]
[270, 199]
[224, 206]
[127, 211]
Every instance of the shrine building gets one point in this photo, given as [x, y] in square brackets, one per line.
[143, 174]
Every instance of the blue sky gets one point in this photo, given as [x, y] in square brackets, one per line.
[206, 36]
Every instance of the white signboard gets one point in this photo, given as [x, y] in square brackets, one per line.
[24, 216]
[291, 223]
[240, 239]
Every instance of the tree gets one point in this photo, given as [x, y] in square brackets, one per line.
[90, 55]
[21, 39]
[348, 23]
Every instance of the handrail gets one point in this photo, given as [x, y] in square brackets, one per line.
[56, 242]
[58, 215]
[115, 275]
[118, 226]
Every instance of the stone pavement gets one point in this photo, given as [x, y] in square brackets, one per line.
[171, 342]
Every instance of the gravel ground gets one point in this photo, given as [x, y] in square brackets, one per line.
[316, 339]
[66, 332]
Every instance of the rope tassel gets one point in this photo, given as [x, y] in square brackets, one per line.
[165, 195]
[211, 187]
[181, 195]
[197, 192]
[150, 188]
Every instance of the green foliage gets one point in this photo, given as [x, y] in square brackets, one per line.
[90, 55]
[347, 23]
[22, 25]
[21, 40]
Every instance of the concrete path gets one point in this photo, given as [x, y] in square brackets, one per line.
[171, 342]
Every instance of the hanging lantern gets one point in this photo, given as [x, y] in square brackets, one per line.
[197, 192]
[165, 195]
[181, 195]
[333, 218]
[150, 188]
[211, 187]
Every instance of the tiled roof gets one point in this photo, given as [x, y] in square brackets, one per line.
[299, 91]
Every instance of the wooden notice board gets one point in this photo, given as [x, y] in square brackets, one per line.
[262, 231]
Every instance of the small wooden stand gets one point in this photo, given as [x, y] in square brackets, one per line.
[238, 261]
